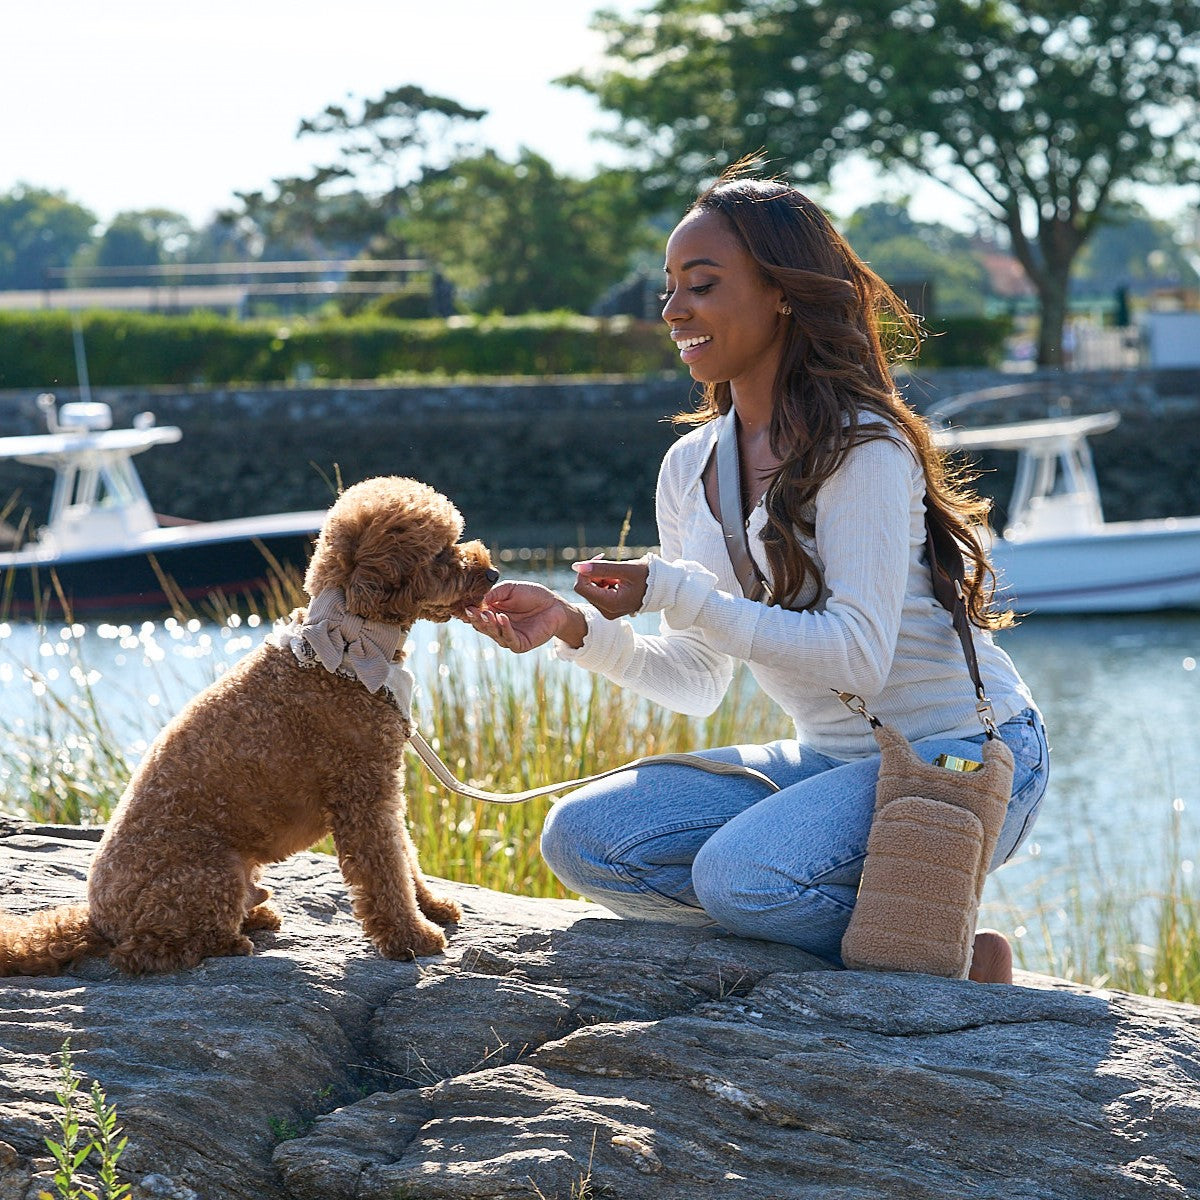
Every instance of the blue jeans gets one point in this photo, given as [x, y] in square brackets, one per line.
[673, 843]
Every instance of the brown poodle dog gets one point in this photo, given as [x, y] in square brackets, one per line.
[304, 737]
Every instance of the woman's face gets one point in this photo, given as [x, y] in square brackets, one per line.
[724, 316]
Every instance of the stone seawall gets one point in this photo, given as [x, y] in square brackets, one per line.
[556, 462]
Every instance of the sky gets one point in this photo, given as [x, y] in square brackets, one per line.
[136, 104]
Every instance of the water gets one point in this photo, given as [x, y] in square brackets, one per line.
[1120, 696]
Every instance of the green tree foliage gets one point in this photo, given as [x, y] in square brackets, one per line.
[519, 237]
[147, 238]
[379, 147]
[1034, 110]
[1133, 249]
[906, 251]
[306, 217]
[39, 230]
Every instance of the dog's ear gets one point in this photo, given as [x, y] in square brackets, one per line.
[386, 574]
[369, 596]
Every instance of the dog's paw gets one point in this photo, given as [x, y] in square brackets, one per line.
[261, 916]
[412, 943]
[441, 909]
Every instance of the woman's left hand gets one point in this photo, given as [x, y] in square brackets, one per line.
[614, 589]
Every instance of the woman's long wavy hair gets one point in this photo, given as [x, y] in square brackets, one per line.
[834, 388]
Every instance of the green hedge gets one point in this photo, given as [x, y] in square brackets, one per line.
[132, 349]
[966, 341]
[123, 349]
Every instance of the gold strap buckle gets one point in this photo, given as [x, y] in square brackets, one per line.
[856, 704]
[987, 715]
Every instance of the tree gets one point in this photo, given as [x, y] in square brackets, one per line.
[1132, 250]
[1033, 110]
[380, 148]
[902, 249]
[518, 237]
[39, 231]
[305, 217]
[144, 238]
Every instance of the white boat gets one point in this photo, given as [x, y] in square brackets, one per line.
[1057, 553]
[103, 549]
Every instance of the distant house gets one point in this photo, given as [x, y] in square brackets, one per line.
[1006, 277]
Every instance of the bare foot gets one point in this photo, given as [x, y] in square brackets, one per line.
[991, 958]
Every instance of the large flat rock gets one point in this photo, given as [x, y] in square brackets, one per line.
[554, 1048]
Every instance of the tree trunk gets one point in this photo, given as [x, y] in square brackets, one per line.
[1047, 263]
[1052, 321]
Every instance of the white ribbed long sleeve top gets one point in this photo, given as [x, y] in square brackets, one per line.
[877, 630]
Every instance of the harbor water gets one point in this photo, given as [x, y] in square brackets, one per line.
[1120, 696]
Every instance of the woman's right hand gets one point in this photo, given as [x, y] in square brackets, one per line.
[522, 616]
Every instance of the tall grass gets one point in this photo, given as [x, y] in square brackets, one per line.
[507, 724]
[1122, 932]
[501, 723]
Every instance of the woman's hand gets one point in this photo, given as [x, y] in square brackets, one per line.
[615, 589]
[522, 616]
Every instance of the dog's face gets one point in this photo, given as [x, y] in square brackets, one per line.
[391, 545]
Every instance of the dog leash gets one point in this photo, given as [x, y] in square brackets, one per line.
[425, 752]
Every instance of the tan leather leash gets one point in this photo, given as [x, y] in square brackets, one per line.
[754, 586]
[425, 752]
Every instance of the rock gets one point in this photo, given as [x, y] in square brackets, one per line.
[555, 1050]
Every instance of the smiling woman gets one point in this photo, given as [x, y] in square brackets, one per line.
[806, 453]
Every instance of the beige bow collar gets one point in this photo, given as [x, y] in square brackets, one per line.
[342, 640]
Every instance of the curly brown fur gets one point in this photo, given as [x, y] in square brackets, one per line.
[269, 760]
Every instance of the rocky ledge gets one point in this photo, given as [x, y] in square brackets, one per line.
[556, 1052]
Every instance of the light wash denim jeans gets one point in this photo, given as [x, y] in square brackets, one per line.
[673, 843]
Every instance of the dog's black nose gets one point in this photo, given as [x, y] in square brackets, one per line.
[492, 575]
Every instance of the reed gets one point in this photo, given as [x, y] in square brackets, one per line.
[501, 723]
[1111, 928]
[507, 724]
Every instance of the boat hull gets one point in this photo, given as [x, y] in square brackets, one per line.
[217, 562]
[1133, 566]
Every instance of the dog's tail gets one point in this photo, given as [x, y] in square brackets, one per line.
[44, 943]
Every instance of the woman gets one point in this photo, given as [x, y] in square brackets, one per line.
[781, 323]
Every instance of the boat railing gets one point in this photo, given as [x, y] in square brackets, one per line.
[1009, 403]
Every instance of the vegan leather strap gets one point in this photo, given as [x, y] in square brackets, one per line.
[946, 566]
[733, 520]
[441, 772]
[948, 571]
